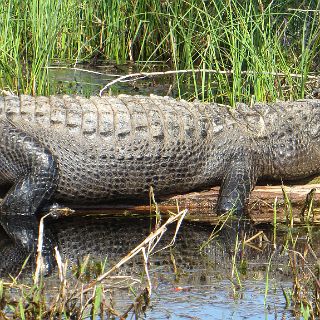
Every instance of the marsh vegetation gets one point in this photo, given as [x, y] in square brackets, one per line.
[260, 50]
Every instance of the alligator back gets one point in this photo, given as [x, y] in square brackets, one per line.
[110, 148]
[114, 147]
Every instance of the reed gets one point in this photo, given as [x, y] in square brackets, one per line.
[255, 39]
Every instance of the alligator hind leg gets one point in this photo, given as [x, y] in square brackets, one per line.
[33, 171]
[239, 180]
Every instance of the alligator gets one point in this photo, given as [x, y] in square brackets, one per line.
[72, 149]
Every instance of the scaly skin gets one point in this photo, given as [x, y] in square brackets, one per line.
[73, 149]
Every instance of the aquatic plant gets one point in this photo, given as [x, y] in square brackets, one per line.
[268, 48]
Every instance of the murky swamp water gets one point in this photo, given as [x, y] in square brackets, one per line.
[86, 80]
[219, 281]
[189, 280]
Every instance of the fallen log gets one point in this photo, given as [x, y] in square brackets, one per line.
[301, 202]
[292, 204]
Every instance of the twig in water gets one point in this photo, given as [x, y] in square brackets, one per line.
[84, 70]
[61, 266]
[140, 75]
[145, 260]
[253, 237]
[39, 263]
[175, 233]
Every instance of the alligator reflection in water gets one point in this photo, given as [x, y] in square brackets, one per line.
[112, 238]
[206, 274]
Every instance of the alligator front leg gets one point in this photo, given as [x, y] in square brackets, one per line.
[33, 170]
[237, 183]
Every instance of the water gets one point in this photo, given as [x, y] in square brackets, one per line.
[191, 284]
[87, 81]
[219, 301]
[187, 283]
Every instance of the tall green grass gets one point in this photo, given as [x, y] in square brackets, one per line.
[253, 39]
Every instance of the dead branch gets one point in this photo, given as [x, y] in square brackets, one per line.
[141, 75]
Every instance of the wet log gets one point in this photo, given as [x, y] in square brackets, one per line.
[292, 204]
[301, 202]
